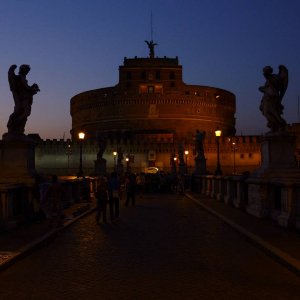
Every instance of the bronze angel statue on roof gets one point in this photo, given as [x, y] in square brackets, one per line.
[151, 46]
[23, 97]
[273, 92]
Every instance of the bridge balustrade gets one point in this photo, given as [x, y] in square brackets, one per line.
[278, 201]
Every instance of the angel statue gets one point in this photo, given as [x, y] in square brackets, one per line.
[102, 143]
[23, 97]
[151, 46]
[273, 92]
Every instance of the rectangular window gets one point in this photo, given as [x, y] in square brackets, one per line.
[150, 89]
[143, 89]
[158, 89]
[157, 75]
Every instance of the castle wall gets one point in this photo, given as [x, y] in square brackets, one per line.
[62, 157]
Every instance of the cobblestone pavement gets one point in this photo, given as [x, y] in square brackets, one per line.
[16, 243]
[166, 247]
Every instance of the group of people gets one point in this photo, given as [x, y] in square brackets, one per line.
[110, 190]
[114, 188]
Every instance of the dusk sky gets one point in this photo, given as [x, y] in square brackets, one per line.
[77, 45]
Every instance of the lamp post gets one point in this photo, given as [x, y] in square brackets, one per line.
[68, 152]
[186, 153]
[175, 164]
[218, 133]
[234, 149]
[115, 160]
[127, 163]
[81, 136]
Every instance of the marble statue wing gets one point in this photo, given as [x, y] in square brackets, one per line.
[284, 79]
[12, 78]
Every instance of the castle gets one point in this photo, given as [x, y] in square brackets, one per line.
[146, 117]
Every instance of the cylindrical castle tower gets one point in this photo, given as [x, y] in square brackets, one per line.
[150, 98]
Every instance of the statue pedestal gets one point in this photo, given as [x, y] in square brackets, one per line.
[200, 166]
[120, 168]
[17, 161]
[100, 166]
[270, 187]
[277, 157]
[181, 168]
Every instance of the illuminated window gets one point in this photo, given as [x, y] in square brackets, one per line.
[150, 89]
[143, 89]
[158, 89]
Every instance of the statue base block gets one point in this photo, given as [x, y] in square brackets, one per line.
[100, 166]
[200, 166]
[269, 186]
[278, 158]
[17, 161]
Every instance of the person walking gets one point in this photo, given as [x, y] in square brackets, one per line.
[114, 196]
[130, 188]
[102, 199]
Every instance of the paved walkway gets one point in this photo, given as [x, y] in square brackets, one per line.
[282, 244]
[17, 243]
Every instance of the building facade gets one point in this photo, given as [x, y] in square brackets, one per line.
[147, 116]
[151, 98]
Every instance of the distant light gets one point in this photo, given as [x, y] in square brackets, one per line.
[127, 158]
[217, 96]
[115, 153]
[186, 152]
[218, 132]
[175, 158]
[81, 135]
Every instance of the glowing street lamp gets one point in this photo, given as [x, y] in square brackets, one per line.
[186, 153]
[173, 162]
[218, 133]
[81, 136]
[127, 163]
